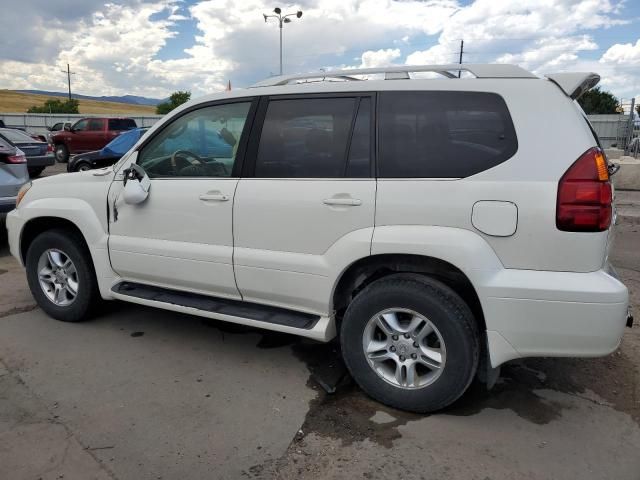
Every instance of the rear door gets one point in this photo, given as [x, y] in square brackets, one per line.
[306, 197]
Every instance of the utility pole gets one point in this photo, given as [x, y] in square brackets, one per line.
[461, 52]
[69, 73]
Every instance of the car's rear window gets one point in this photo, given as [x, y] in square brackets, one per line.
[443, 134]
[16, 136]
[122, 123]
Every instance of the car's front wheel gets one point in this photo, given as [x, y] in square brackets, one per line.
[61, 276]
[62, 153]
[410, 342]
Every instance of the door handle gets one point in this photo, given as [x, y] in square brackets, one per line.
[213, 197]
[348, 202]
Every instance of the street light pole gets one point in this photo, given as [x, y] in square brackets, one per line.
[282, 19]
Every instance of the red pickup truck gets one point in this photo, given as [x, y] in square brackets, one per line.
[88, 134]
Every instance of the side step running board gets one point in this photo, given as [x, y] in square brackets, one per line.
[222, 306]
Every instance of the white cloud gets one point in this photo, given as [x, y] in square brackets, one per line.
[114, 48]
[379, 58]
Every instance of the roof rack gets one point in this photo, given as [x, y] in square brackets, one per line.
[402, 72]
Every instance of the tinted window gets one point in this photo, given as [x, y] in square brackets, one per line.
[201, 143]
[443, 134]
[121, 124]
[96, 124]
[358, 164]
[80, 126]
[305, 138]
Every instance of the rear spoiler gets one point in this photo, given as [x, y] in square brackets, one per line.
[574, 84]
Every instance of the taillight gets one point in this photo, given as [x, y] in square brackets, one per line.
[20, 158]
[49, 148]
[584, 195]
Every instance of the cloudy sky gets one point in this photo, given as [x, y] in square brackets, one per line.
[152, 48]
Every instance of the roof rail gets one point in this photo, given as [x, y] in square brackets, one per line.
[402, 72]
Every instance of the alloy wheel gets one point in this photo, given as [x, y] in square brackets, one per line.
[404, 348]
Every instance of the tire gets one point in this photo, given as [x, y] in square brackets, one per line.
[62, 153]
[64, 244]
[81, 167]
[428, 302]
[35, 172]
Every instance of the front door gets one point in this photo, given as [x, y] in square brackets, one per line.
[181, 236]
[306, 205]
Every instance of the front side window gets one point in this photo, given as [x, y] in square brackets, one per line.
[440, 134]
[201, 143]
[306, 138]
[81, 126]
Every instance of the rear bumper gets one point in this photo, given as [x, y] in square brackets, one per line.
[534, 313]
[41, 161]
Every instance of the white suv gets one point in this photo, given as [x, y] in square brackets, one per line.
[439, 227]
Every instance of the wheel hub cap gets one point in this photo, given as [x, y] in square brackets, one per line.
[58, 277]
[404, 348]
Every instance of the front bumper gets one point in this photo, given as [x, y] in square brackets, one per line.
[41, 161]
[14, 230]
[538, 313]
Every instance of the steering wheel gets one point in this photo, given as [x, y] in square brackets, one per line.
[185, 154]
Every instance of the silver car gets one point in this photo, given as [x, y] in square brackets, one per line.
[13, 174]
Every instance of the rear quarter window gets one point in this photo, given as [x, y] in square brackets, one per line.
[443, 134]
[121, 124]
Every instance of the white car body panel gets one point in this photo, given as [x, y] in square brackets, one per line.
[286, 235]
[176, 231]
[542, 291]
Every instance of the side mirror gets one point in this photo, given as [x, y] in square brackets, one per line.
[136, 185]
[67, 128]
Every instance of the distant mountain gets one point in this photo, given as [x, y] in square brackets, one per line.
[132, 99]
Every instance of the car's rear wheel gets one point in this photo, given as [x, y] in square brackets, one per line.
[410, 342]
[35, 172]
[62, 153]
[61, 276]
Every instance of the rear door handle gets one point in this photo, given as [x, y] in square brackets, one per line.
[350, 202]
[213, 197]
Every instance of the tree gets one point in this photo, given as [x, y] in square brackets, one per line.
[56, 106]
[176, 99]
[599, 101]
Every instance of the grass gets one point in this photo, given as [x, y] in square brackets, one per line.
[16, 102]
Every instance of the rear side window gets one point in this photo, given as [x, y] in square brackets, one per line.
[443, 134]
[309, 138]
[121, 124]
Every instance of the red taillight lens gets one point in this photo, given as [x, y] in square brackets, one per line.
[49, 148]
[584, 195]
[16, 159]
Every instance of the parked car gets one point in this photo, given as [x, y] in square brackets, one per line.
[419, 220]
[13, 174]
[39, 154]
[88, 134]
[108, 155]
[57, 127]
